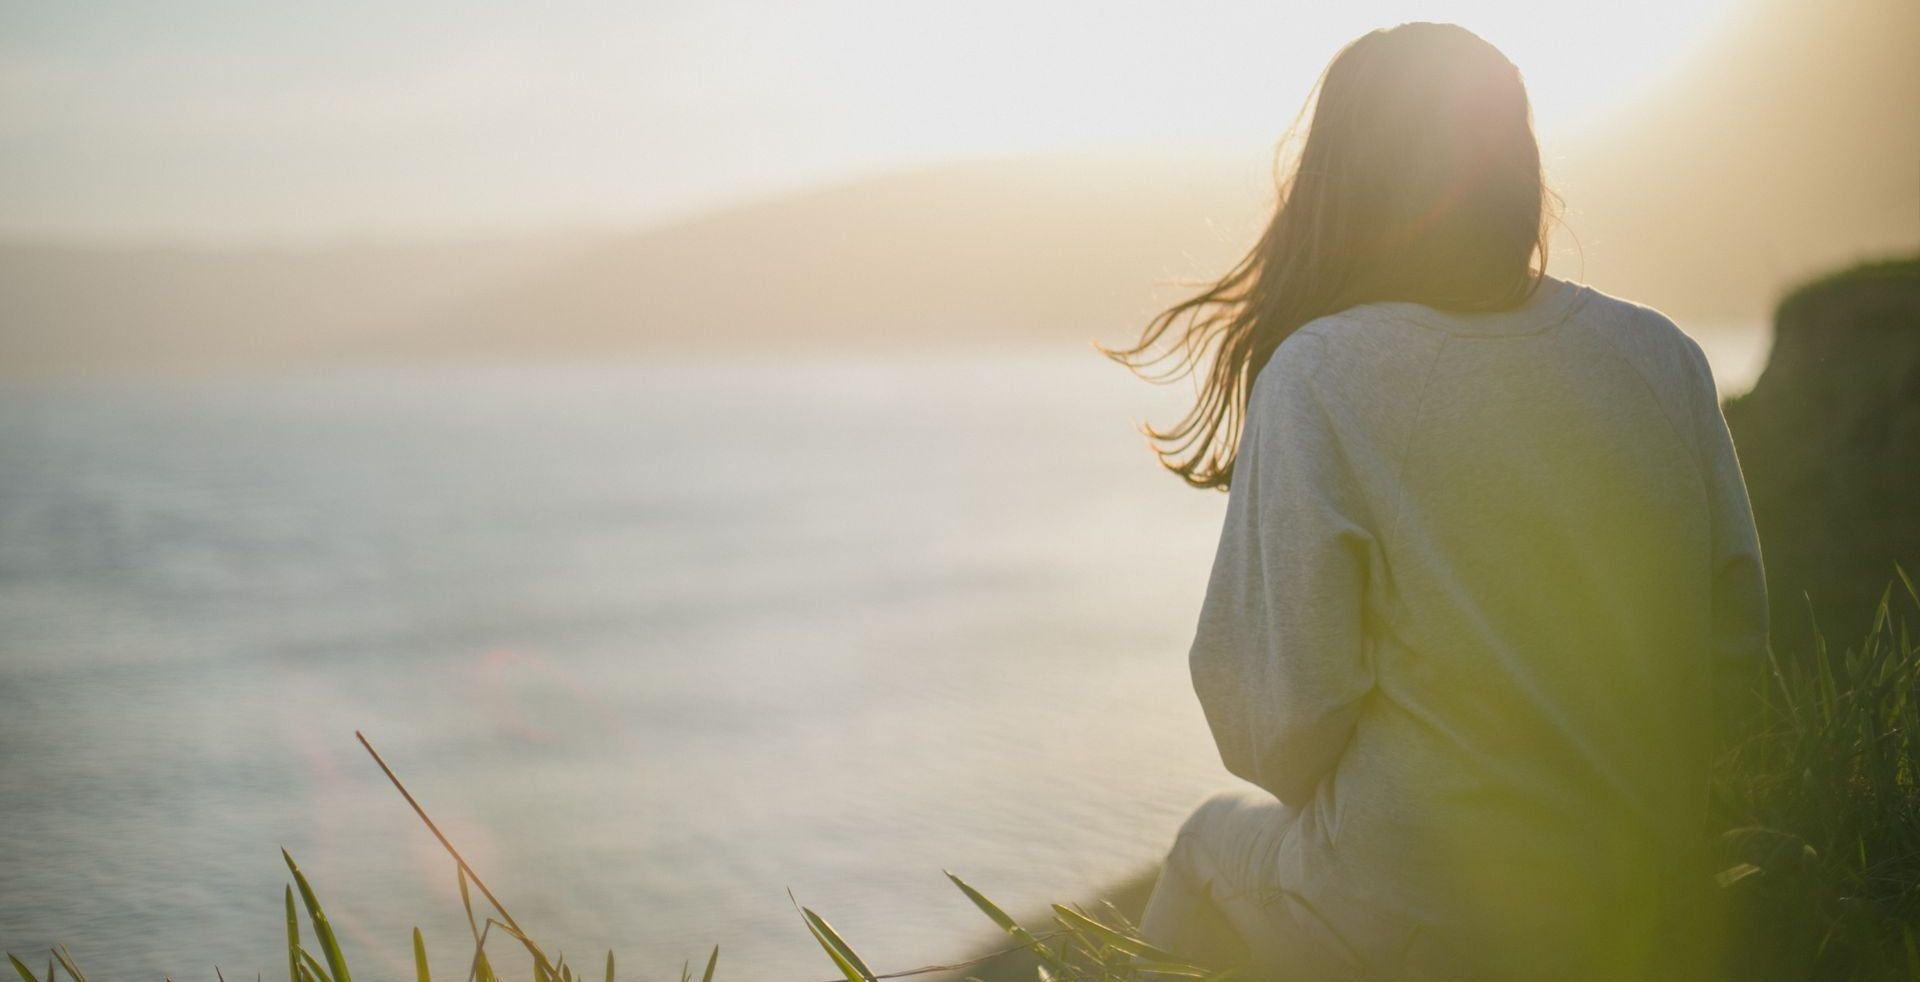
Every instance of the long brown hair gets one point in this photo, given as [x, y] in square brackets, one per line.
[1419, 180]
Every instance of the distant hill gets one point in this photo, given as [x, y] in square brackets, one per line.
[1054, 246]
[70, 309]
[1060, 246]
[1790, 145]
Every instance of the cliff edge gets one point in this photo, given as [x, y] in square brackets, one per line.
[1829, 440]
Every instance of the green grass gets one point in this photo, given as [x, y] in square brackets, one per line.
[1820, 880]
[1822, 806]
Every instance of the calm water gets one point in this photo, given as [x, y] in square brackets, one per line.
[654, 644]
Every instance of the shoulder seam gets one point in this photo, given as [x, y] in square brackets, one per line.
[1311, 360]
[1688, 435]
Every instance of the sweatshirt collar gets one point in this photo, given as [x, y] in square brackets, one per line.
[1545, 309]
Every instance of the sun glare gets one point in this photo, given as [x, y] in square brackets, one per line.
[531, 118]
[1583, 60]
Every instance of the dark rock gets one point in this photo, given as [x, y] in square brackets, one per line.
[1829, 440]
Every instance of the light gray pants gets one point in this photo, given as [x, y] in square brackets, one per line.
[1218, 900]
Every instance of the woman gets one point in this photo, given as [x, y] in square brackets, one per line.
[1488, 582]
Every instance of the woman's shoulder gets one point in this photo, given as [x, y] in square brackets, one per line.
[1356, 350]
[1646, 335]
[1631, 315]
[1363, 375]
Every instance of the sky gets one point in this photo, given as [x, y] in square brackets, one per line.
[242, 124]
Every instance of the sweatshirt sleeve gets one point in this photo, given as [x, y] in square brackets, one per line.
[1278, 658]
[1740, 625]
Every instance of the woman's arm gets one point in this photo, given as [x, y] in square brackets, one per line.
[1278, 659]
[1740, 626]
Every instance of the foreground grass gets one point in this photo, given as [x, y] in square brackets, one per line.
[1820, 880]
[1079, 946]
[1822, 807]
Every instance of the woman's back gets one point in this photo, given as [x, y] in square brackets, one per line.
[1488, 573]
[1462, 619]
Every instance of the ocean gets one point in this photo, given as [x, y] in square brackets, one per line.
[654, 642]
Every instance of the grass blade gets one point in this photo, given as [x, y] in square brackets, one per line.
[66, 961]
[21, 967]
[446, 843]
[322, 931]
[1110, 937]
[836, 947]
[293, 940]
[1181, 970]
[543, 969]
[1734, 874]
[482, 968]
[993, 911]
[826, 932]
[311, 967]
[840, 961]
[713, 961]
[420, 958]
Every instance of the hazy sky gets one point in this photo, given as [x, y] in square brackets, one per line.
[273, 122]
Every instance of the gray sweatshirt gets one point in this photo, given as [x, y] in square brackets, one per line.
[1484, 582]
